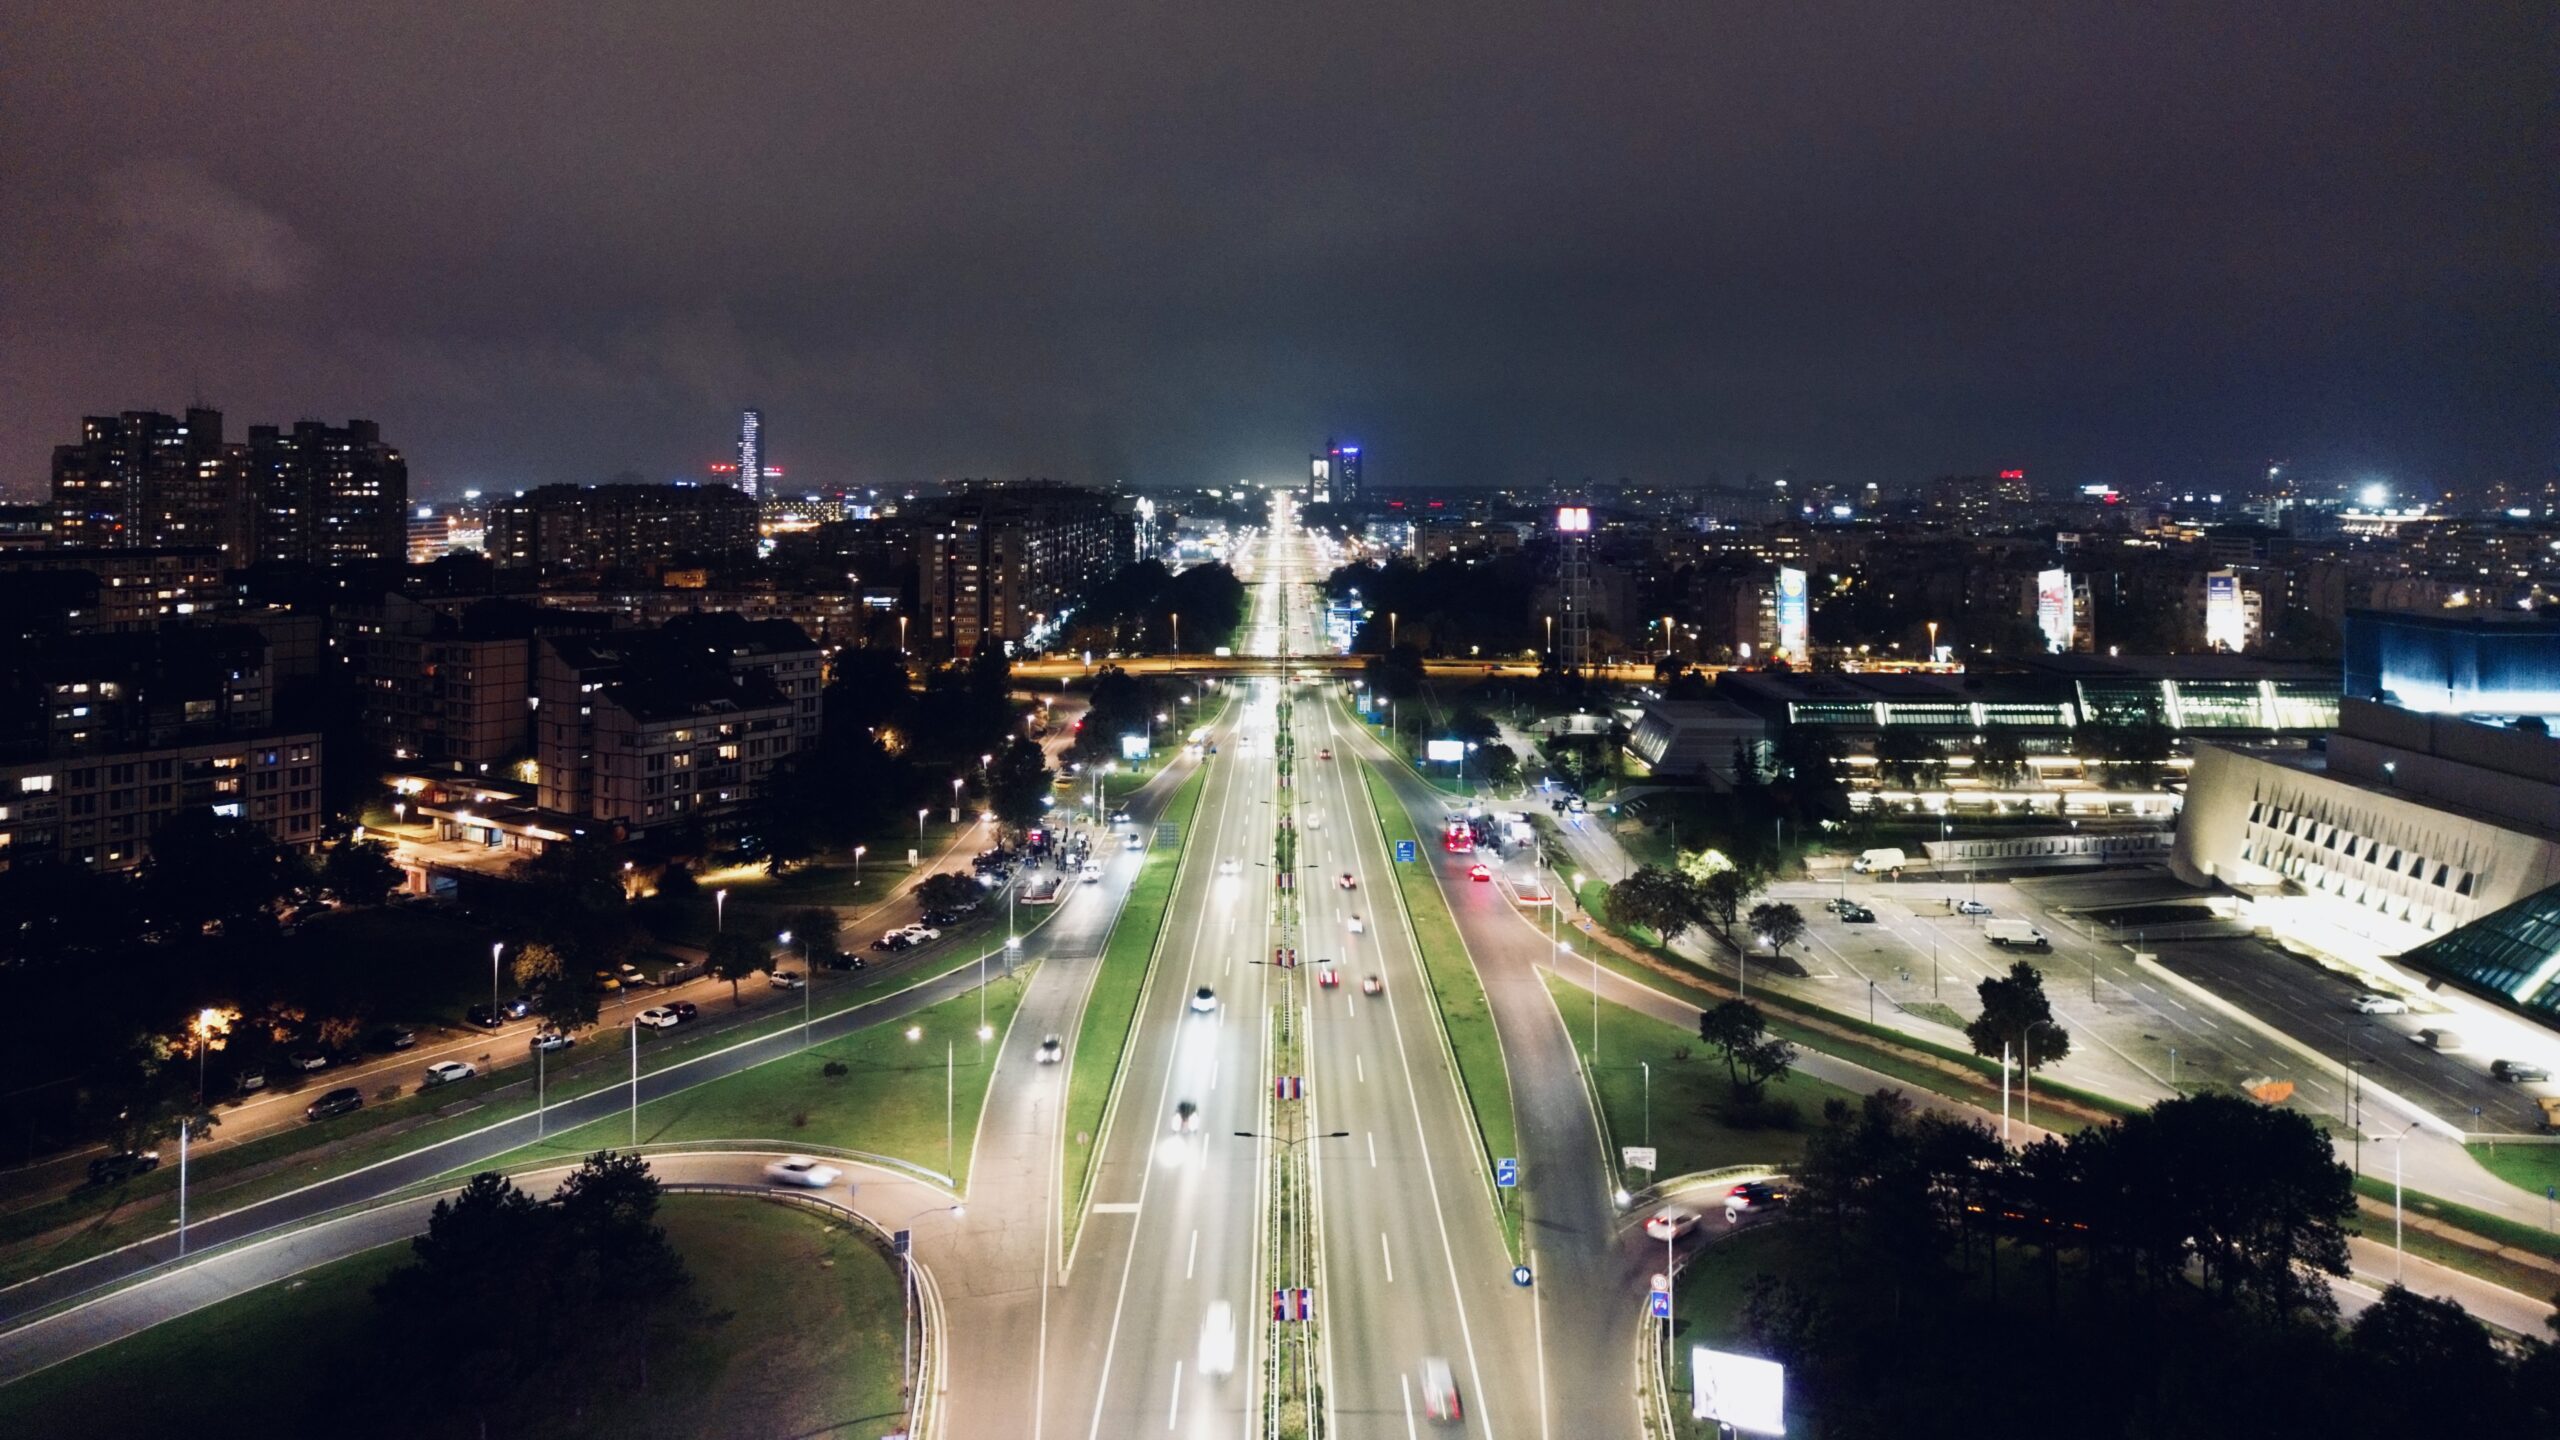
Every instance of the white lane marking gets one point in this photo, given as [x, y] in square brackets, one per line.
[1387, 1255]
[1373, 1148]
[1538, 1329]
[1213, 1072]
[1362, 1067]
[1173, 1409]
[1405, 1383]
[1117, 1207]
[1193, 1259]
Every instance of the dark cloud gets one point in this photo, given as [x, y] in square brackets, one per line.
[1176, 242]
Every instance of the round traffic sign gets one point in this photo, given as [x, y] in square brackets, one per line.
[1519, 1274]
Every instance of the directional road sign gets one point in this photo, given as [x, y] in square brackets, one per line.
[1661, 1306]
[902, 1241]
[1405, 852]
[1638, 1157]
[1506, 1172]
[1520, 1276]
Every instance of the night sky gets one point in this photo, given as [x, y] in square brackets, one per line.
[1180, 243]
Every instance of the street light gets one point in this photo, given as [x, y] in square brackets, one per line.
[493, 978]
[858, 852]
[907, 1298]
[2399, 1256]
[719, 910]
[921, 812]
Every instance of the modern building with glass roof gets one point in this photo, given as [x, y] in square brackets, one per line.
[2512, 956]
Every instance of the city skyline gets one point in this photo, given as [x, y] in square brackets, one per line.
[2163, 248]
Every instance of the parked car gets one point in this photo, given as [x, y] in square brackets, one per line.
[1972, 907]
[658, 1017]
[2517, 1071]
[607, 981]
[802, 1171]
[248, 1082]
[547, 1040]
[892, 942]
[2374, 1004]
[340, 1101]
[1752, 1197]
[685, 1010]
[308, 1060]
[121, 1166]
[844, 960]
[484, 1017]
[447, 1072]
[1052, 1050]
[787, 980]
[394, 1037]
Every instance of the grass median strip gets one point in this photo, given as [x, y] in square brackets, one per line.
[888, 1098]
[1465, 1015]
[1111, 1005]
[89, 1221]
[1684, 1103]
[809, 1344]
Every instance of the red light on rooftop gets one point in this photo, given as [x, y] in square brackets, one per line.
[2013, 474]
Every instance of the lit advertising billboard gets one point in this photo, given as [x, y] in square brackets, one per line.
[1574, 519]
[1791, 611]
[1134, 747]
[1743, 1392]
[2053, 608]
[2225, 626]
[1451, 750]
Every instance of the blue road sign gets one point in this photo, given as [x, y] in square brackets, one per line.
[1506, 1173]
[1661, 1305]
[1405, 852]
[1520, 1275]
[902, 1241]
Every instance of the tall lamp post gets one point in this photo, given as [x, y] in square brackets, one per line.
[493, 978]
[907, 1287]
[719, 910]
[2399, 1256]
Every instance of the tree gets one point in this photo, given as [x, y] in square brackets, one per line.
[1396, 674]
[2256, 1193]
[360, 872]
[1909, 760]
[536, 965]
[2001, 758]
[950, 890]
[473, 1299]
[1752, 1056]
[1019, 786]
[1778, 923]
[208, 872]
[2012, 1005]
[1723, 894]
[1660, 900]
[1501, 764]
[816, 927]
[734, 956]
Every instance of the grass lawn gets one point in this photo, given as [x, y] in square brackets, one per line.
[1689, 1093]
[1111, 1004]
[810, 1346]
[272, 1164]
[1464, 1013]
[2532, 1168]
[764, 901]
[891, 1101]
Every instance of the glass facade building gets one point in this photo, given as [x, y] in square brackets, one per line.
[2512, 955]
[2504, 663]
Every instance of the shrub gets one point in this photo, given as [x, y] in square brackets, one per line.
[835, 1069]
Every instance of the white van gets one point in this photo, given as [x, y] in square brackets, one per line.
[1874, 861]
[2015, 934]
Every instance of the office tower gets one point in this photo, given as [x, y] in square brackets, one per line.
[328, 495]
[751, 451]
[1346, 472]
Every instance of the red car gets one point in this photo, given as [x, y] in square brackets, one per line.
[1347, 882]
[1327, 978]
[1371, 985]
[1479, 874]
[1326, 754]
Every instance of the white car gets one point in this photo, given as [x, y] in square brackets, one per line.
[787, 980]
[1092, 873]
[658, 1017]
[1229, 866]
[1671, 1224]
[2381, 1005]
[1218, 1340]
[1204, 1000]
[547, 1040]
[802, 1171]
[1972, 907]
[1359, 926]
[919, 934]
[445, 1072]
[1052, 1050]
[1440, 1390]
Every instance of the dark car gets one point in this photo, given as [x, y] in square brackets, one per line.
[484, 1017]
[344, 1099]
[2517, 1071]
[1856, 914]
[121, 1166]
[1752, 1197]
[394, 1037]
[685, 1009]
[941, 917]
[844, 960]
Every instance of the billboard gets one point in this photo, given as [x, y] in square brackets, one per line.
[2053, 609]
[1134, 747]
[1791, 611]
[1742, 1391]
[2226, 626]
[1574, 519]
[1450, 750]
